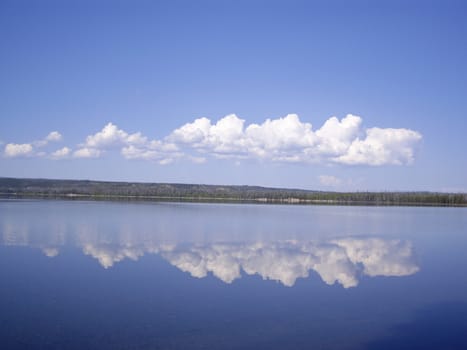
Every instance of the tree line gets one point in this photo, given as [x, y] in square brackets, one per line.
[15, 187]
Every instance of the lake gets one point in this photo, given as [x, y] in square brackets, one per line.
[137, 275]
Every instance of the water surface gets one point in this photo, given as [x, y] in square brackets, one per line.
[231, 276]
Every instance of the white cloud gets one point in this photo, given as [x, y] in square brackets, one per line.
[54, 136]
[192, 133]
[13, 150]
[132, 146]
[111, 136]
[286, 139]
[382, 146]
[329, 180]
[226, 136]
[289, 139]
[87, 153]
[154, 150]
[61, 153]
[18, 150]
[336, 136]
[166, 161]
[132, 152]
[281, 139]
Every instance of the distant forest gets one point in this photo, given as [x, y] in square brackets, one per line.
[85, 189]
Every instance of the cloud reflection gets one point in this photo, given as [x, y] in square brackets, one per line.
[338, 261]
[342, 260]
[51, 252]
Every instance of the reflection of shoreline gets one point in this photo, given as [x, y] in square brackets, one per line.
[339, 260]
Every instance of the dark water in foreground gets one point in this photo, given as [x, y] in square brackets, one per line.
[76, 275]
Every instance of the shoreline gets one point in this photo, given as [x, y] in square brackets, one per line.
[217, 200]
[176, 192]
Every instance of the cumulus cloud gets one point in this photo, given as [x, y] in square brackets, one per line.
[166, 161]
[277, 139]
[111, 135]
[54, 136]
[61, 153]
[382, 146]
[13, 150]
[87, 153]
[18, 150]
[132, 152]
[132, 146]
[286, 139]
[154, 150]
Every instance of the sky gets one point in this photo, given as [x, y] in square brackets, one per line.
[325, 95]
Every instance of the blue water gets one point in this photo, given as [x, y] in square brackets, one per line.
[113, 275]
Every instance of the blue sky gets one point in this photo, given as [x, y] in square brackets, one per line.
[339, 95]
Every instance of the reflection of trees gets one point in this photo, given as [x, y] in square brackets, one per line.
[338, 260]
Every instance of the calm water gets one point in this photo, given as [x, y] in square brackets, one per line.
[77, 275]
